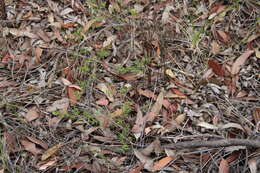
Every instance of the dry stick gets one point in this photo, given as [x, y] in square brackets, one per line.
[215, 144]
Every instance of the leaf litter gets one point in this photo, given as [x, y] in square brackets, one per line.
[119, 82]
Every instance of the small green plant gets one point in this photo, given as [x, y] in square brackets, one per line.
[90, 119]
[137, 66]
[103, 53]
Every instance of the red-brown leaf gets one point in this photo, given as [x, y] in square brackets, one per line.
[216, 68]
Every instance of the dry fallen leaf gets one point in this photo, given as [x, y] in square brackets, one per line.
[61, 105]
[37, 141]
[139, 123]
[240, 61]
[252, 164]
[51, 151]
[224, 36]
[216, 68]
[150, 116]
[223, 166]
[31, 147]
[103, 102]
[106, 90]
[162, 163]
[137, 169]
[148, 162]
[48, 164]
[32, 114]
[215, 48]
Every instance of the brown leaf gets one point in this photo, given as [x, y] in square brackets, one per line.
[11, 142]
[162, 163]
[137, 169]
[103, 102]
[240, 61]
[150, 116]
[223, 166]
[51, 151]
[148, 162]
[72, 94]
[29, 146]
[48, 164]
[252, 164]
[61, 105]
[216, 68]
[224, 36]
[215, 48]
[32, 114]
[147, 93]
[139, 123]
[75, 165]
[256, 115]
[37, 141]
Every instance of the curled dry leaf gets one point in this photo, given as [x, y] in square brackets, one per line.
[240, 61]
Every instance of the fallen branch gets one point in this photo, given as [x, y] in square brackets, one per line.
[215, 144]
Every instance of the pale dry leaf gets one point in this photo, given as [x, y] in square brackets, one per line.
[150, 116]
[215, 48]
[31, 147]
[4, 84]
[66, 82]
[166, 15]
[240, 61]
[61, 105]
[207, 125]
[87, 26]
[103, 102]
[180, 118]
[139, 123]
[37, 141]
[32, 114]
[170, 73]
[48, 164]
[252, 164]
[223, 166]
[106, 90]
[148, 162]
[162, 163]
[109, 41]
[51, 151]
[231, 125]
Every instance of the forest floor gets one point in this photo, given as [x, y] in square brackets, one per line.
[130, 86]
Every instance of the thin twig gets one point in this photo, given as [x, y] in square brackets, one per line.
[215, 143]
